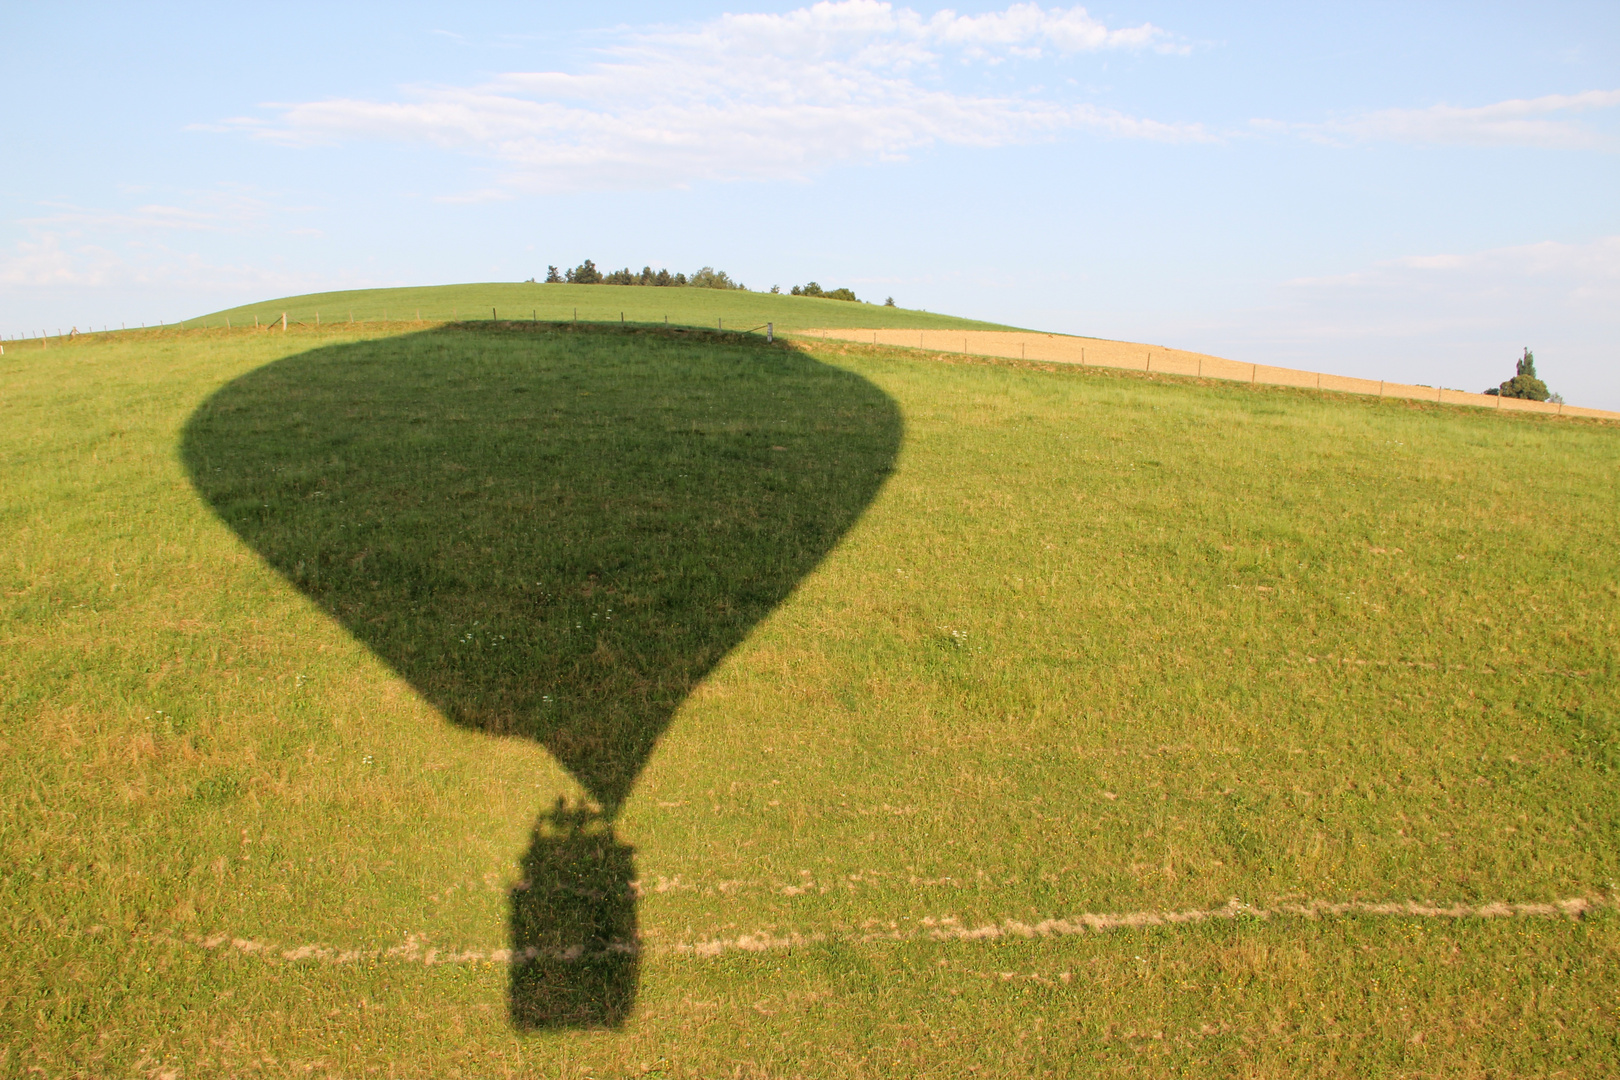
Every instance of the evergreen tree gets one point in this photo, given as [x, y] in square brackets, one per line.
[585, 273]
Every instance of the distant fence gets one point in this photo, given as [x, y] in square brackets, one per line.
[1095, 352]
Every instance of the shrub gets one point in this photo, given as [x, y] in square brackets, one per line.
[812, 289]
[1524, 383]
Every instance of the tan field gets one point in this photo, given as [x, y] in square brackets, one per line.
[1134, 356]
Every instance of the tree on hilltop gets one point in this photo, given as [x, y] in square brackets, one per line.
[1525, 384]
[710, 278]
[585, 273]
[812, 289]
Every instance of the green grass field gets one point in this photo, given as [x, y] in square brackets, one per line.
[469, 700]
[649, 305]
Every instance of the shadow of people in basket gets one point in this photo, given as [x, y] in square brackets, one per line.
[553, 533]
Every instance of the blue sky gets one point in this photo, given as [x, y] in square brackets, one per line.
[1400, 191]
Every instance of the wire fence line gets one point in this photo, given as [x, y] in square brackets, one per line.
[1158, 360]
[1013, 345]
[284, 321]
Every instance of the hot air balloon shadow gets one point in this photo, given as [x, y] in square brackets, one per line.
[552, 533]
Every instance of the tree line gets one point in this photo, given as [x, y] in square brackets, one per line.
[586, 273]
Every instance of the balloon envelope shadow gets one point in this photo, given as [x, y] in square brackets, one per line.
[552, 533]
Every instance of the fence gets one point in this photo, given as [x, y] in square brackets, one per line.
[1155, 359]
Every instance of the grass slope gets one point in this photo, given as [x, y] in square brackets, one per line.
[593, 303]
[979, 645]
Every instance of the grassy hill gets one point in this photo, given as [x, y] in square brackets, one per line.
[739, 310]
[547, 700]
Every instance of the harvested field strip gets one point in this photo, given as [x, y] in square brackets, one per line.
[417, 949]
[1158, 360]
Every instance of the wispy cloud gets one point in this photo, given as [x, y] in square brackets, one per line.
[225, 211]
[1451, 318]
[153, 243]
[1485, 287]
[44, 261]
[1536, 122]
[50, 260]
[749, 96]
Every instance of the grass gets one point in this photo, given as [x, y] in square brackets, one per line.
[650, 305]
[980, 645]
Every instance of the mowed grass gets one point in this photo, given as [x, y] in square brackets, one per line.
[727, 309]
[980, 644]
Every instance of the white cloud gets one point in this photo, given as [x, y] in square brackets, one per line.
[44, 261]
[750, 96]
[1535, 122]
[175, 254]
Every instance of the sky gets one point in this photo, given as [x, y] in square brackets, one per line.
[1406, 191]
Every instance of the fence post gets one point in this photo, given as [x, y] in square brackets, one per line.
[770, 333]
[492, 316]
[283, 322]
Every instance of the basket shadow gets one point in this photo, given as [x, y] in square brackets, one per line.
[552, 533]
